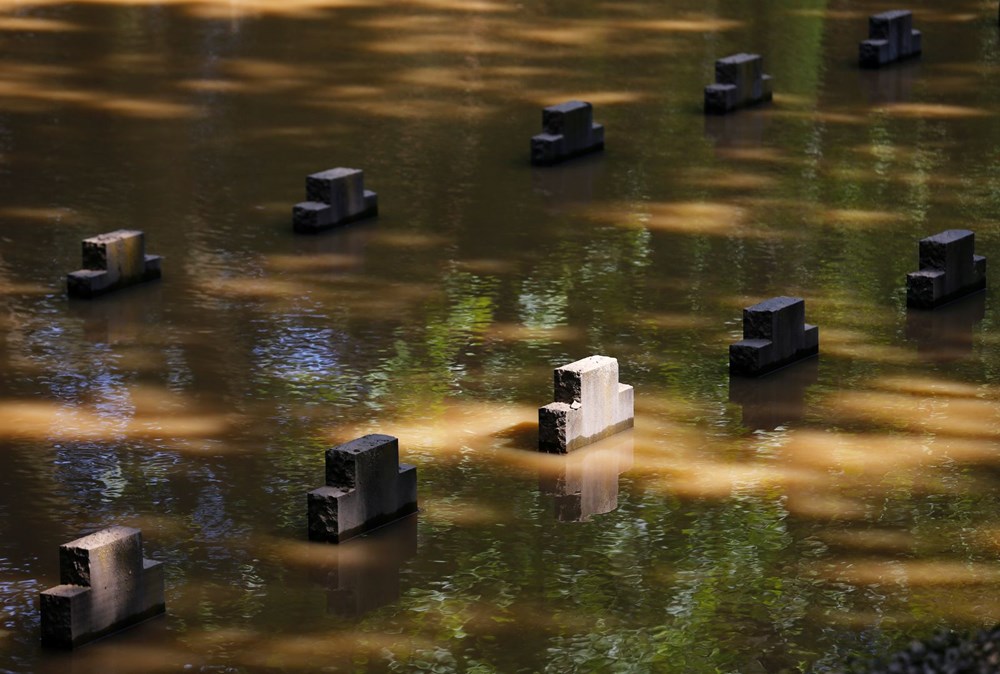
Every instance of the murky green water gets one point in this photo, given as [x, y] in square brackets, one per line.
[837, 510]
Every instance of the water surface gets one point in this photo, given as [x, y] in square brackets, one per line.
[835, 511]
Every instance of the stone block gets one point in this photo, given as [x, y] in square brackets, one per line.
[949, 269]
[739, 82]
[590, 404]
[366, 487]
[891, 38]
[568, 131]
[106, 586]
[111, 261]
[775, 334]
[333, 198]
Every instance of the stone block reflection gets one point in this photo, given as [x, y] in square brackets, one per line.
[362, 575]
[946, 334]
[774, 400]
[572, 184]
[744, 130]
[124, 319]
[585, 482]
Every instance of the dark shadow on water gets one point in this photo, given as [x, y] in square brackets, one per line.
[585, 482]
[520, 436]
[778, 398]
[946, 333]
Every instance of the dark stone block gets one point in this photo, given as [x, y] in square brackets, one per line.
[891, 38]
[366, 487]
[334, 198]
[739, 82]
[775, 334]
[106, 586]
[569, 131]
[949, 269]
[111, 261]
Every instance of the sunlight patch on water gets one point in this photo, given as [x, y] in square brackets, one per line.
[932, 111]
[911, 573]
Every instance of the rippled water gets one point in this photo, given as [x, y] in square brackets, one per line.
[833, 511]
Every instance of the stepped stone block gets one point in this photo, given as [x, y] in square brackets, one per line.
[333, 198]
[949, 269]
[891, 38]
[590, 404]
[740, 82]
[366, 487]
[775, 334]
[106, 586]
[568, 131]
[111, 261]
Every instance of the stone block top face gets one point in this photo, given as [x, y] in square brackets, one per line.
[731, 69]
[122, 251]
[340, 187]
[103, 239]
[102, 559]
[335, 173]
[950, 251]
[569, 379]
[949, 236]
[342, 462]
[879, 23]
[572, 118]
[764, 319]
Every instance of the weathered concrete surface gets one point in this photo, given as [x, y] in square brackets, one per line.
[111, 261]
[106, 586]
[891, 38]
[775, 334]
[739, 82]
[569, 131]
[333, 198]
[590, 404]
[366, 487]
[949, 269]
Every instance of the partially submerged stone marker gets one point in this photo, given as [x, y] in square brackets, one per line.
[111, 261]
[333, 198]
[366, 487]
[107, 585]
[739, 82]
[590, 404]
[569, 131]
[891, 38]
[775, 334]
[949, 269]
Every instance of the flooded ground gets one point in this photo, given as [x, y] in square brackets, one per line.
[834, 511]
